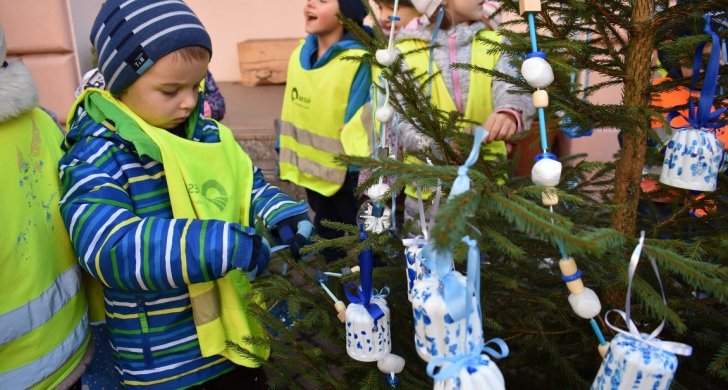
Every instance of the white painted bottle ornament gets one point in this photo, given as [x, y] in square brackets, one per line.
[384, 114]
[480, 374]
[415, 269]
[367, 340]
[692, 160]
[546, 171]
[436, 333]
[634, 360]
[537, 71]
[386, 57]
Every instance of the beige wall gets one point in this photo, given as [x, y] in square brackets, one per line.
[232, 21]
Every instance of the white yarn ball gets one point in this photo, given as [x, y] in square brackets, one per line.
[377, 191]
[585, 304]
[384, 114]
[537, 72]
[391, 364]
[546, 172]
[386, 57]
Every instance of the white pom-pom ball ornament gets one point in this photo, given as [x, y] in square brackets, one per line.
[391, 364]
[386, 57]
[585, 304]
[384, 114]
[546, 171]
[537, 71]
[377, 191]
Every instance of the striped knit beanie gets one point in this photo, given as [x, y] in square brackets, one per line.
[354, 10]
[131, 35]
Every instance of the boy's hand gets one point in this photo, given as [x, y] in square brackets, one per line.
[501, 126]
[259, 257]
[294, 232]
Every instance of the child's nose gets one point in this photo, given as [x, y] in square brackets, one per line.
[189, 100]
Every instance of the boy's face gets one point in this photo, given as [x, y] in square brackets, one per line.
[320, 16]
[405, 14]
[166, 94]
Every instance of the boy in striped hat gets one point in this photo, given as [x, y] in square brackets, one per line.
[161, 204]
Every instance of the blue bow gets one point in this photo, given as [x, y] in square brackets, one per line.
[453, 293]
[473, 359]
[462, 182]
[363, 294]
[702, 118]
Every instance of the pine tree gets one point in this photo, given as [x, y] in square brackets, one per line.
[523, 299]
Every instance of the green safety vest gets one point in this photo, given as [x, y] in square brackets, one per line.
[43, 321]
[312, 131]
[207, 181]
[480, 100]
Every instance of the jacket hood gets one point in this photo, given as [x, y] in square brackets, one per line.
[463, 32]
[310, 47]
[18, 93]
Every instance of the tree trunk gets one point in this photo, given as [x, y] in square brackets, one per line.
[632, 155]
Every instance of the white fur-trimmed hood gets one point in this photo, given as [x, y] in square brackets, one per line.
[18, 93]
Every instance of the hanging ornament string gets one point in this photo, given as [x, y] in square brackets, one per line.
[701, 117]
[651, 339]
[363, 294]
[462, 182]
[547, 172]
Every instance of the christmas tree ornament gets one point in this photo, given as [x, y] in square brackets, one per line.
[415, 269]
[636, 360]
[439, 308]
[537, 71]
[391, 365]
[368, 335]
[376, 217]
[385, 113]
[338, 304]
[386, 57]
[693, 156]
[472, 369]
[547, 170]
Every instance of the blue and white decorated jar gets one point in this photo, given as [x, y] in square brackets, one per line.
[436, 333]
[415, 269]
[634, 364]
[692, 160]
[367, 340]
[482, 374]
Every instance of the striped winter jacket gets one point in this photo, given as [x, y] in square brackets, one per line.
[117, 210]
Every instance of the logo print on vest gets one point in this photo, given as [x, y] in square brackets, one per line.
[213, 191]
[299, 99]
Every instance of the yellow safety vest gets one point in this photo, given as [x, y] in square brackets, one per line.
[480, 101]
[313, 131]
[219, 312]
[43, 321]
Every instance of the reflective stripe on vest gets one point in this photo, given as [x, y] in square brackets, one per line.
[312, 120]
[29, 374]
[39, 310]
[480, 101]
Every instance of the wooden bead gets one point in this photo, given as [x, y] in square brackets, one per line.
[341, 309]
[568, 266]
[540, 98]
[603, 349]
[529, 6]
[549, 198]
[575, 287]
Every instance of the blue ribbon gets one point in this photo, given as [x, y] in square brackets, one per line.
[462, 182]
[702, 118]
[363, 294]
[457, 363]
